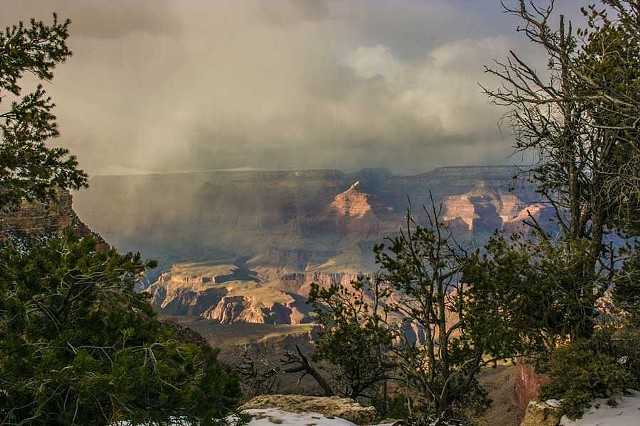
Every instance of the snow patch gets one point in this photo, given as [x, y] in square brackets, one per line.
[626, 413]
[274, 416]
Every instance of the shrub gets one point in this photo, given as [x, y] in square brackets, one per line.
[79, 346]
[581, 372]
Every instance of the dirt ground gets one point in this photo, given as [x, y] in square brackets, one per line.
[500, 383]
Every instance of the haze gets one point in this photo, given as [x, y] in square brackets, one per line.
[176, 85]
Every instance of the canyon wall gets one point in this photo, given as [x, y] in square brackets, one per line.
[290, 228]
[33, 219]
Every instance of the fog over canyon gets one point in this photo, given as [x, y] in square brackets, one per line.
[244, 247]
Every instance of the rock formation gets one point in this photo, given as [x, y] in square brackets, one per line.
[290, 228]
[33, 219]
[296, 219]
[356, 212]
[329, 406]
[206, 290]
[528, 382]
[542, 413]
[486, 209]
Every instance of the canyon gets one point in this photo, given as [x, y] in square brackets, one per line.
[238, 251]
[244, 247]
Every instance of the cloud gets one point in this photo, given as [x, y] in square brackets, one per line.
[376, 62]
[292, 12]
[276, 84]
[97, 18]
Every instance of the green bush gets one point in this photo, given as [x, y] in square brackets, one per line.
[628, 353]
[79, 346]
[581, 372]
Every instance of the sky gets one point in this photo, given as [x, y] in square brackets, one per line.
[180, 85]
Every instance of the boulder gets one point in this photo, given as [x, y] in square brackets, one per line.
[329, 406]
[542, 413]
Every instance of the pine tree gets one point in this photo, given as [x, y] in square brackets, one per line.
[29, 168]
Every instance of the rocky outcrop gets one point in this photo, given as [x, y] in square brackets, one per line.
[294, 228]
[234, 309]
[486, 208]
[293, 219]
[300, 282]
[542, 413]
[207, 291]
[329, 406]
[528, 382]
[351, 212]
[33, 219]
[246, 309]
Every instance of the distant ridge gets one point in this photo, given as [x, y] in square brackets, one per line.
[317, 173]
[468, 171]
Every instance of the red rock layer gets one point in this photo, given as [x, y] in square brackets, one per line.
[528, 383]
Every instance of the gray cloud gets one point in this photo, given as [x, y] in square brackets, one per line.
[97, 18]
[277, 84]
[292, 12]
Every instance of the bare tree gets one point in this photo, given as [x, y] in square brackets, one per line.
[260, 375]
[298, 362]
[579, 117]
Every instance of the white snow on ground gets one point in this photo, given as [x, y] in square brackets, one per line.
[274, 417]
[626, 413]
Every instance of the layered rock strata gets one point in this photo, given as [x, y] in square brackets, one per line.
[202, 290]
[29, 220]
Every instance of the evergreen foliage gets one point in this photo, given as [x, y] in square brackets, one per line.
[80, 346]
[422, 268]
[77, 344]
[626, 290]
[411, 316]
[540, 294]
[535, 290]
[580, 118]
[30, 169]
[354, 337]
[581, 372]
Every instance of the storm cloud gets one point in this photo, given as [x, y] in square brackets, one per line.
[171, 85]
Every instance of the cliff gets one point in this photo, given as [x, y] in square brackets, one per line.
[486, 208]
[19, 224]
[356, 212]
[221, 293]
[278, 232]
[293, 218]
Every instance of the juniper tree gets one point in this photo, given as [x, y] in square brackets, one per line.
[579, 115]
[354, 337]
[413, 316]
[78, 345]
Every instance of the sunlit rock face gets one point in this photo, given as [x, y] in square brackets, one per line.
[226, 294]
[300, 282]
[298, 219]
[357, 212]
[485, 209]
[265, 237]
